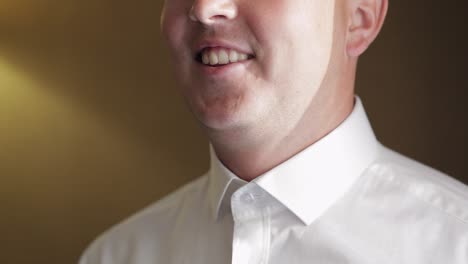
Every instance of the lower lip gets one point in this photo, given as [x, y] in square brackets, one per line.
[220, 70]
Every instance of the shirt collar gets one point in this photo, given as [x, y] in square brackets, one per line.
[312, 180]
[222, 183]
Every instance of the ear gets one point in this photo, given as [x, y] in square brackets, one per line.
[365, 21]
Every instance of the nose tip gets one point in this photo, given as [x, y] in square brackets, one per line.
[211, 11]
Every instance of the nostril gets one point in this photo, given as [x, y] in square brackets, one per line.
[216, 17]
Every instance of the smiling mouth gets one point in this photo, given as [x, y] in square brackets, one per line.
[217, 56]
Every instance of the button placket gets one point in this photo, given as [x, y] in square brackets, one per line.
[251, 226]
[244, 203]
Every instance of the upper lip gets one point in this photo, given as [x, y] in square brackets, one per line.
[214, 43]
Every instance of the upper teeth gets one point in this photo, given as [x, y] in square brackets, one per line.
[222, 56]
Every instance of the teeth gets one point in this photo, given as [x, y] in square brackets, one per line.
[213, 58]
[222, 56]
[233, 56]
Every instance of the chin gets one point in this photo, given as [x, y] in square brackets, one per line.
[223, 107]
[218, 119]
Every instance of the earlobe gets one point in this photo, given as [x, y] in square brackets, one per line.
[366, 20]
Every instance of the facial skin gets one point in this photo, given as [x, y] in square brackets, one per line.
[290, 39]
[297, 86]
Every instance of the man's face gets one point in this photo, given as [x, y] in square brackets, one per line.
[288, 44]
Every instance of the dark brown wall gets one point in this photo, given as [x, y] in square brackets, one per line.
[92, 128]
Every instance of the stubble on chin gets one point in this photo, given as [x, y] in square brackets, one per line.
[223, 112]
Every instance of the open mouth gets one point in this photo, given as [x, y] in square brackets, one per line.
[218, 56]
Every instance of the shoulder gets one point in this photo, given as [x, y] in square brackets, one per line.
[437, 189]
[147, 230]
[412, 213]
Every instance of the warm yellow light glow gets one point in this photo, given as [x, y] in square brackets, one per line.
[26, 103]
[40, 128]
[11, 77]
[15, 90]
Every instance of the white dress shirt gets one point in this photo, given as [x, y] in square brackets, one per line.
[345, 199]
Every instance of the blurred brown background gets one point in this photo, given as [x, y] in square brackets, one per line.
[93, 129]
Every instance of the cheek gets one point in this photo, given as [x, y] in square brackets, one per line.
[311, 40]
[312, 28]
[174, 25]
[291, 31]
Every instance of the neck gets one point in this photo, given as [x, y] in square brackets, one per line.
[249, 154]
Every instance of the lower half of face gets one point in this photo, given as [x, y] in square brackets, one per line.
[226, 97]
[253, 94]
[275, 87]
